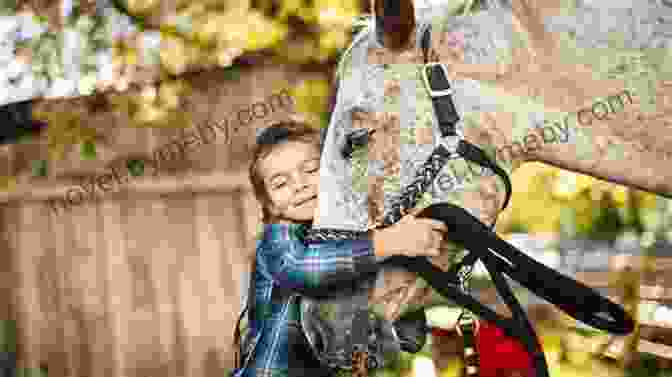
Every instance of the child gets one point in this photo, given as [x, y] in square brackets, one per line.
[284, 174]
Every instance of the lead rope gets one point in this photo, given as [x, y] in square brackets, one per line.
[467, 327]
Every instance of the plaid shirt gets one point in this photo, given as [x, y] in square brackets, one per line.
[284, 261]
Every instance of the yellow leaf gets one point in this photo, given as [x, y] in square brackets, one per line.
[56, 152]
[620, 194]
[289, 7]
[265, 34]
[131, 57]
[585, 181]
[207, 29]
[7, 183]
[138, 7]
[196, 9]
[149, 115]
[174, 55]
[648, 200]
[333, 40]
[169, 95]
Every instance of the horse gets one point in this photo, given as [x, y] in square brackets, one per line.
[512, 86]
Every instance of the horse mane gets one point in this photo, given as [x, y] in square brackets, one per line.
[363, 26]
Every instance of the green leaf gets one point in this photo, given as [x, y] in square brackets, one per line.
[22, 44]
[121, 7]
[135, 167]
[568, 225]
[7, 336]
[324, 119]
[231, 73]
[39, 168]
[74, 13]
[88, 150]
[31, 372]
[7, 6]
[518, 227]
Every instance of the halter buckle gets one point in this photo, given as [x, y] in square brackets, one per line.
[451, 142]
[425, 79]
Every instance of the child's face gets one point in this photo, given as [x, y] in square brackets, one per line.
[291, 176]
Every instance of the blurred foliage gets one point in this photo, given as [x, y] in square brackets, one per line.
[574, 204]
[201, 35]
[579, 363]
[311, 96]
[579, 206]
[66, 130]
[648, 366]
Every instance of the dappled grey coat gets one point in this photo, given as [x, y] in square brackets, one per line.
[488, 38]
[344, 206]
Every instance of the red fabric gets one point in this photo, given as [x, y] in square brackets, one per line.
[501, 355]
[437, 331]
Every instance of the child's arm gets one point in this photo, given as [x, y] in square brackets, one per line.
[316, 268]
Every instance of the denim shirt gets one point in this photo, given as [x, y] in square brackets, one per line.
[285, 261]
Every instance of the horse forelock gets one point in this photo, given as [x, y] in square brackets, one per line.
[395, 22]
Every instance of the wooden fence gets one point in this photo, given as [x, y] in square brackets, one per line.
[129, 287]
[146, 280]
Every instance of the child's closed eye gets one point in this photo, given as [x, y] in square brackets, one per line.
[312, 166]
[278, 184]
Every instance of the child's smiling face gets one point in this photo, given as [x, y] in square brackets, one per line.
[291, 177]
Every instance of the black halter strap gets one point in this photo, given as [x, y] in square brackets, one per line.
[447, 117]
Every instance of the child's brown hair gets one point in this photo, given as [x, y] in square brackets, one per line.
[272, 136]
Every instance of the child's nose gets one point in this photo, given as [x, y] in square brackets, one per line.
[301, 181]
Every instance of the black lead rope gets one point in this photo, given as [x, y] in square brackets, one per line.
[572, 297]
[446, 114]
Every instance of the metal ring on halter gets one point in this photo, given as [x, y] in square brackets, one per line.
[425, 80]
[458, 328]
[451, 143]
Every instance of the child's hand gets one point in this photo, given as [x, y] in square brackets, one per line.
[410, 236]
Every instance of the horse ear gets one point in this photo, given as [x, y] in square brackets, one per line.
[395, 21]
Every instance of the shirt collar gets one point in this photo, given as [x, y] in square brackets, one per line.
[284, 232]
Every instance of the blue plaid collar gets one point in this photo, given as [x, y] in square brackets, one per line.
[284, 232]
